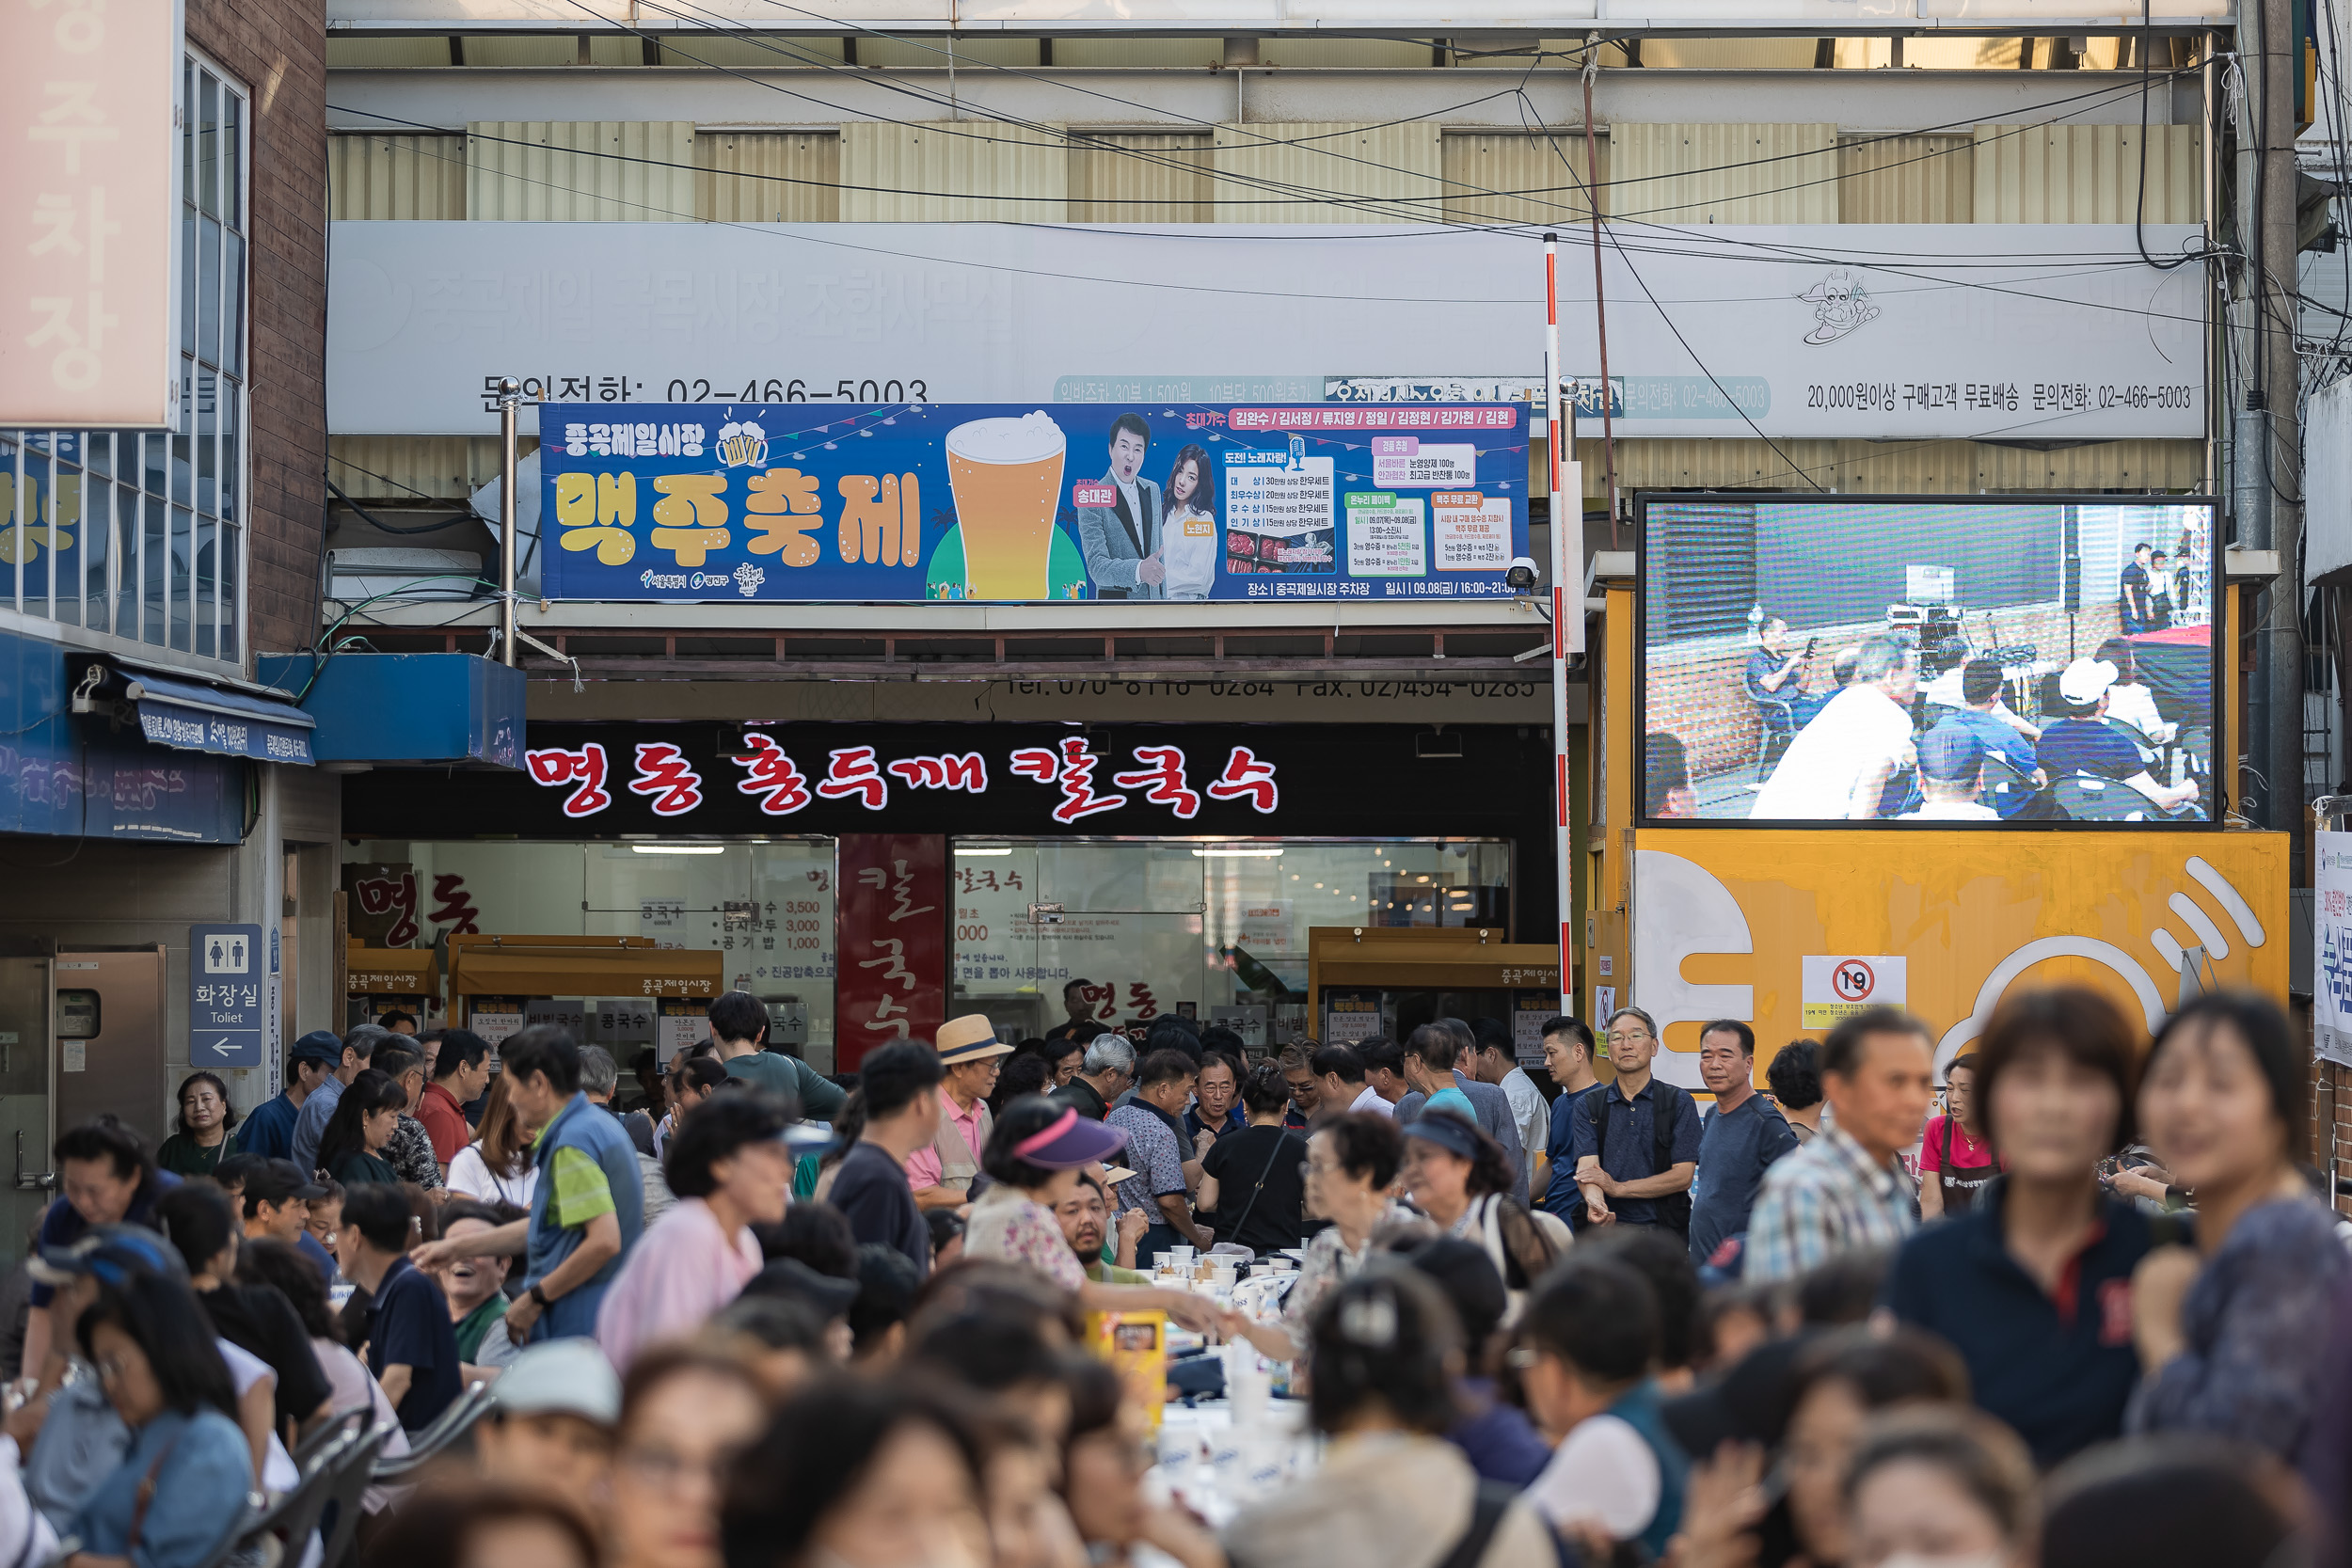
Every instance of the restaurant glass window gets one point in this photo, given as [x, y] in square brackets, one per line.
[1218, 929]
[768, 908]
[140, 535]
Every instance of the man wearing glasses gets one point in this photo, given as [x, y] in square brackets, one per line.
[1636, 1141]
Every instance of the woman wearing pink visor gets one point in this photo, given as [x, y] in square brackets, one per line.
[1032, 1162]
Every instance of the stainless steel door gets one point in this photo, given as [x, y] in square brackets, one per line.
[111, 1051]
[23, 1099]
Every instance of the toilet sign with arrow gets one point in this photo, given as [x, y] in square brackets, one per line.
[228, 995]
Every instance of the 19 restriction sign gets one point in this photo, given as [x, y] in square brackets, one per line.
[1840, 985]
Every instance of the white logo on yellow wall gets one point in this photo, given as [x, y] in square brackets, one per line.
[1683, 910]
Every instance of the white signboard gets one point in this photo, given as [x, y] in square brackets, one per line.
[1992, 331]
[1356, 1019]
[1840, 985]
[679, 1032]
[2332, 947]
[495, 1028]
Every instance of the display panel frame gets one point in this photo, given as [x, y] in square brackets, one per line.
[2207, 676]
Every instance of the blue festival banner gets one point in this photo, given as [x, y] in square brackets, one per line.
[1014, 503]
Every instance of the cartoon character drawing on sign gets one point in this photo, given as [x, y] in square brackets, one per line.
[1840, 305]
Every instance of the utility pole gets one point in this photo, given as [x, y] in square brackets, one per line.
[510, 516]
[2267, 479]
[2282, 621]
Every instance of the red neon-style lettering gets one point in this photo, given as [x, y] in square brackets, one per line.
[851, 772]
[967, 772]
[1248, 776]
[1073, 770]
[1162, 779]
[772, 775]
[585, 767]
[665, 774]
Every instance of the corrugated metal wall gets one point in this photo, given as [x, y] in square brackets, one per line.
[353, 54]
[1542, 188]
[373, 177]
[1925, 179]
[995, 172]
[410, 468]
[1723, 173]
[2085, 174]
[603, 171]
[767, 177]
[1141, 179]
[1926, 467]
[1261, 170]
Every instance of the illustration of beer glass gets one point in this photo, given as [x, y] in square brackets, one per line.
[1006, 475]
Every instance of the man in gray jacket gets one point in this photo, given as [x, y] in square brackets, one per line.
[1122, 540]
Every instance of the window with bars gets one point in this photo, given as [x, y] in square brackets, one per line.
[140, 535]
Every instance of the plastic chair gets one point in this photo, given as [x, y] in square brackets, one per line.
[348, 1473]
[278, 1533]
[438, 1434]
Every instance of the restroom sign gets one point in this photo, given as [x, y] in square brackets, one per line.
[229, 995]
[1840, 985]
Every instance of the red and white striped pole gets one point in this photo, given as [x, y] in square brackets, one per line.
[1567, 613]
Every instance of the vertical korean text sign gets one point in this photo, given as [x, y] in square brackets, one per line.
[88, 207]
[2331, 946]
[1015, 503]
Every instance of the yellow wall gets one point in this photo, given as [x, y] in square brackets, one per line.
[1722, 920]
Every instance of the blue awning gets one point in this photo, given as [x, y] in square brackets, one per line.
[190, 717]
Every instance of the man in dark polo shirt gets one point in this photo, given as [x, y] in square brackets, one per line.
[902, 1099]
[1625, 1128]
[412, 1345]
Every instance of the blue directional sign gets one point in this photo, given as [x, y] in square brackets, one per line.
[228, 995]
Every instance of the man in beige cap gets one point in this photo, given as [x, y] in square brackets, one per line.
[941, 1174]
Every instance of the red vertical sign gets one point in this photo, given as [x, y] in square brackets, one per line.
[890, 916]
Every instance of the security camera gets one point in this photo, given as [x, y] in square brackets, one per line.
[1521, 577]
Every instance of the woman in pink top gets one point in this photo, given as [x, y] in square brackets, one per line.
[1956, 1159]
[731, 1168]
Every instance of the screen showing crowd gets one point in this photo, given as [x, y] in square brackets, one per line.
[1937, 662]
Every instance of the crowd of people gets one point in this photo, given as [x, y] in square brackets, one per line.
[2096, 1309]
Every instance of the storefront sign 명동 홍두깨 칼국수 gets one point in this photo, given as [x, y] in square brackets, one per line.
[793, 502]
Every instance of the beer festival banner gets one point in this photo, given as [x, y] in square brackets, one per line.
[1014, 503]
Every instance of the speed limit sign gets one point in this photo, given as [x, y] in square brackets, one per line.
[1840, 985]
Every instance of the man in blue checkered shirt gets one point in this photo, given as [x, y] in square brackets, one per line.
[1848, 1188]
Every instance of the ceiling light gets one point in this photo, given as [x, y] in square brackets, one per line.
[679, 848]
[1238, 855]
[984, 850]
